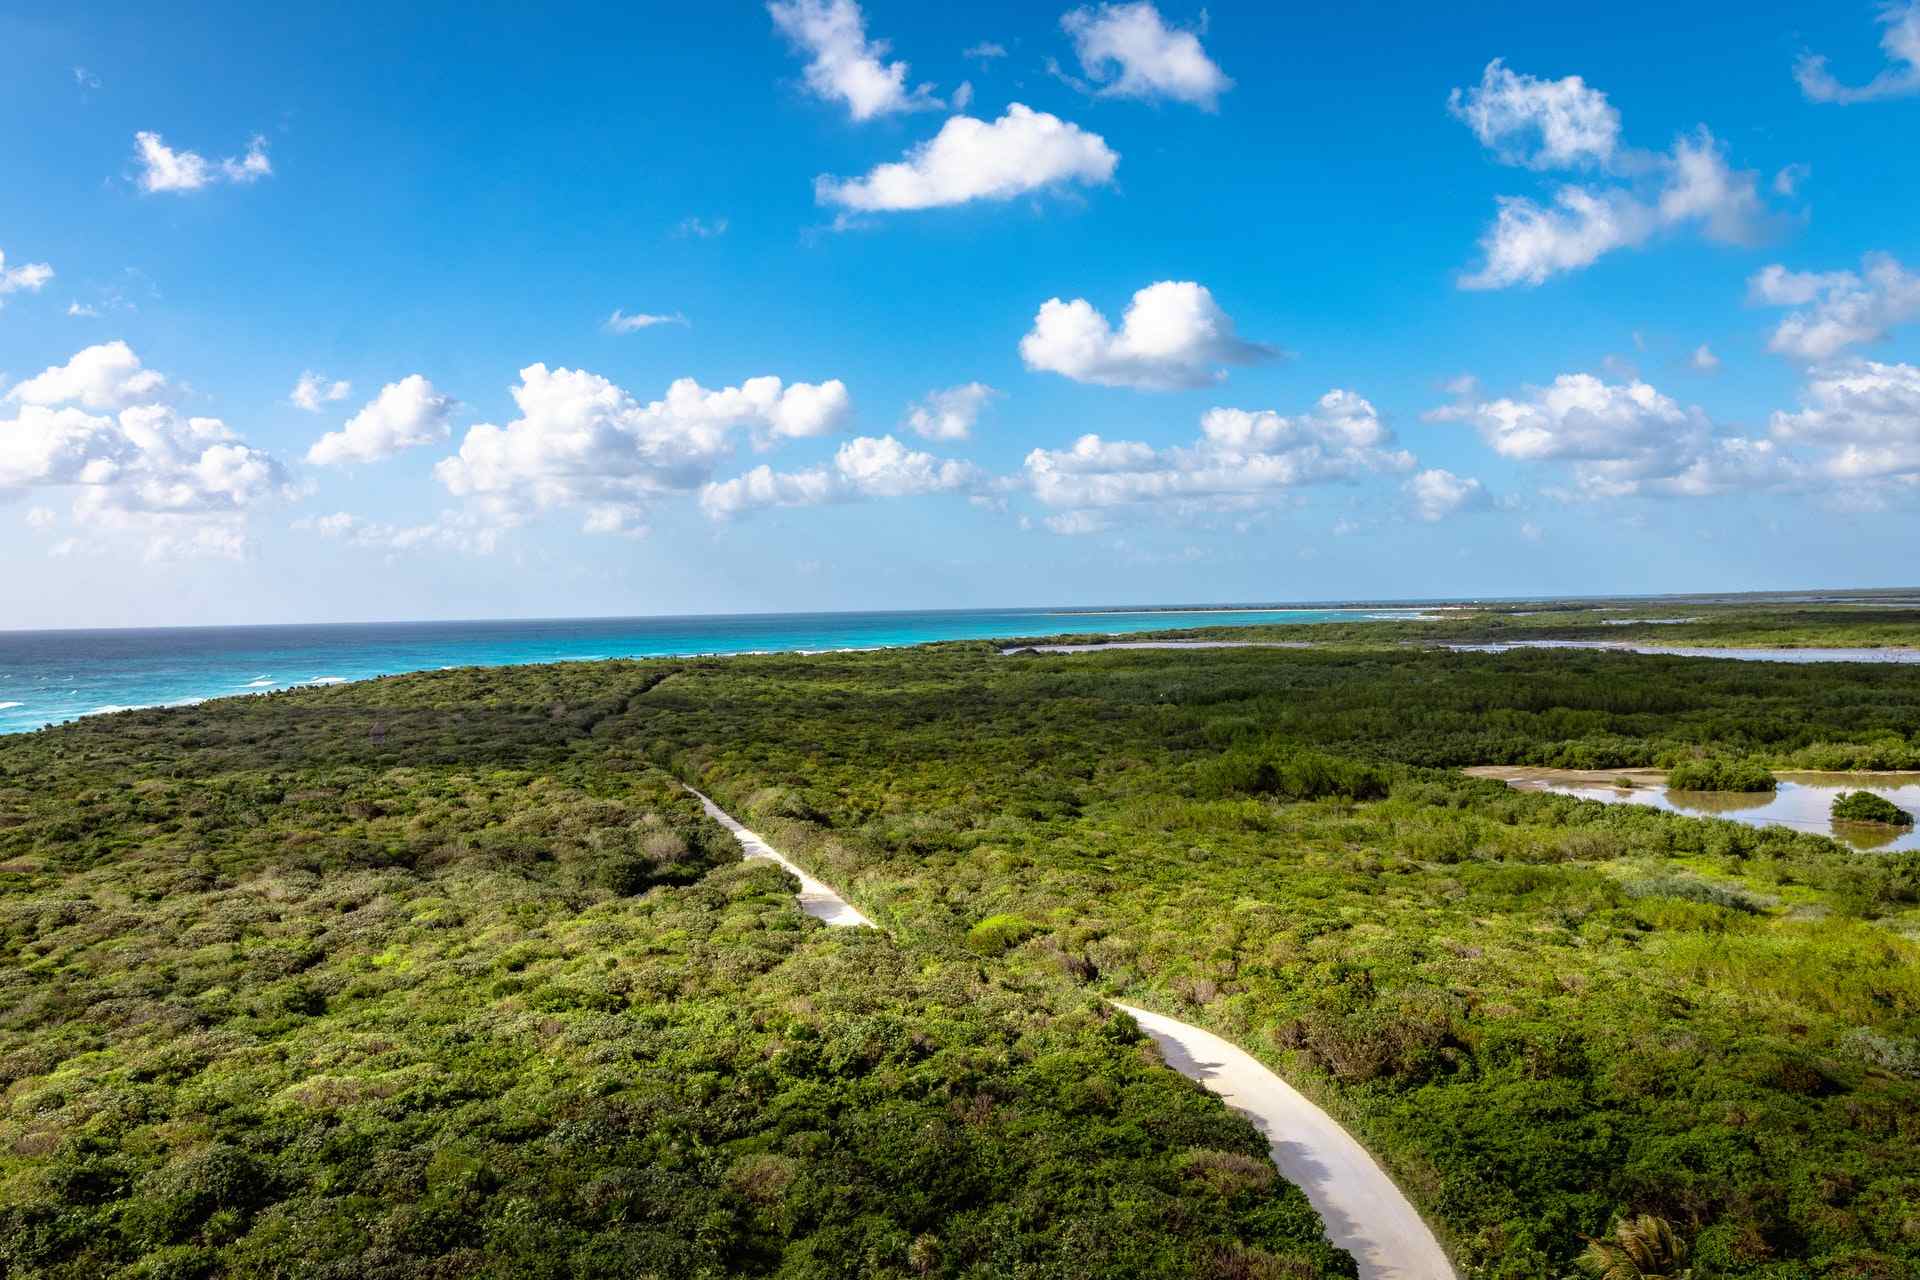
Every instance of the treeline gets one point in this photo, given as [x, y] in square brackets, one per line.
[1895, 623]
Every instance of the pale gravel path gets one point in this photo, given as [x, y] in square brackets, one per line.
[1364, 1211]
[816, 899]
[1103, 646]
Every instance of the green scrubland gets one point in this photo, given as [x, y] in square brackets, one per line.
[444, 975]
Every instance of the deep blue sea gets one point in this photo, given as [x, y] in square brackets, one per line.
[50, 676]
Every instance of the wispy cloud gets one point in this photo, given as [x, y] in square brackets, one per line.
[162, 168]
[1901, 42]
[312, 390]
[28, 277]
[624, 322]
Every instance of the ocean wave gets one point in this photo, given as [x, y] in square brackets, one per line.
[110, 708]
[327, 680]
[263, 682]
[7, 705]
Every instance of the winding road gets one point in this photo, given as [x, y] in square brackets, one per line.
[816, 899]
[1364, 1212]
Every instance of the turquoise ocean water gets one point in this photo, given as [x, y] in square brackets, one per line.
[50, 676]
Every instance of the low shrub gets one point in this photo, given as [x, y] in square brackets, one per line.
[1689, 890]
[1714, 773]
[1291, 775]
[1864, 806]
[999, 934]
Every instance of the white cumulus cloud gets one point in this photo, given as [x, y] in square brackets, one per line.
[1129, 51]
[1241, 458]
[164, 169]
[1529, 242]
[1439, 493]
[843, 65]
[99, 427]
[312, 390]
[405, 414]
[1693, 187]
[107, 375]
[1023, 151]
[1563, 124]
[1900, 40]
[863, 467]
[1621, 439]
[1846, 308]
[1866, 413]
[949, 414]
[1542, 124]
[1173, 335]
[581, 441]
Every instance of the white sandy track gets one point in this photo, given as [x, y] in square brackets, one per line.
[1364, 1211]
[1104, 645]
[816, 899]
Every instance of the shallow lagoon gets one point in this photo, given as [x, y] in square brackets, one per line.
[1802, 802]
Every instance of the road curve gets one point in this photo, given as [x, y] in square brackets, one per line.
[1364, 1211]
[816, 899]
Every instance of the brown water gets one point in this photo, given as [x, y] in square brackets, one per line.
[1802, 802]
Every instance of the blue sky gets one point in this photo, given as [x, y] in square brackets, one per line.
[1683, 354]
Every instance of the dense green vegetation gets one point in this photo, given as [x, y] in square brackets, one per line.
[320, 939]
[1711, 773]
[1893, 621]
[1544, 1014]
[1864, 806]
[320, 1016]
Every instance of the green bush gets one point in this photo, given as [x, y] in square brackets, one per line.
[1714, 773]
[1865, 806]
[1290, 774]
[998, 934]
